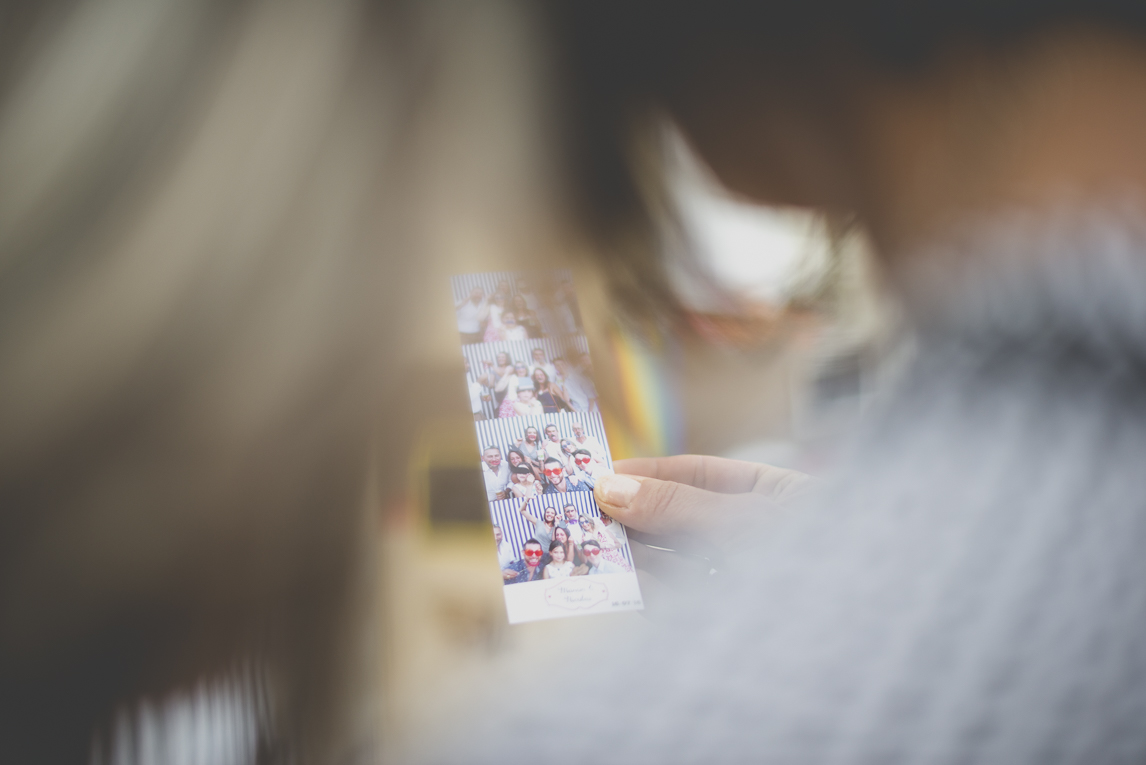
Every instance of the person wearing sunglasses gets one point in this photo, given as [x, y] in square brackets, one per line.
[595, 561]
[585, 467]
[528, 568]
[558, 481]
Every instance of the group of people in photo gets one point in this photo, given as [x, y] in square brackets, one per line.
[541, 461]
[517, 310]
[533, 386]
[564, 543]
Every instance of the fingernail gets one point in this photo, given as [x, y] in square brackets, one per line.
[618, 490]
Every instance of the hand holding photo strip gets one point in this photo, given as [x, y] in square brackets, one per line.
[542, 446]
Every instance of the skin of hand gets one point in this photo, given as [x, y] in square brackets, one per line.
[694, 506]
[694, 495]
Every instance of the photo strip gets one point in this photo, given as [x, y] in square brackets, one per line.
[542, 446]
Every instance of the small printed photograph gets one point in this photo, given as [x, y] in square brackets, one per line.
[511, 306]
[538, 456]
[556, 538]
[521, 378]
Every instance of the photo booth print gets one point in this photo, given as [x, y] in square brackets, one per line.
[517, 529]
[504, 433]
[556, 318]
[569, 348]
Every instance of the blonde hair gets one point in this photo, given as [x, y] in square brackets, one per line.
[192, 259]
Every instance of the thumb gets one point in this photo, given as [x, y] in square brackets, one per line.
[668, 507]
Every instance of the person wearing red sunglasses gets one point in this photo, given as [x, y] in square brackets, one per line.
[529, 567]
[558, 482]
[595, 562]
[586, 467]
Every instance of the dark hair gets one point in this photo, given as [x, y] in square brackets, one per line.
[520, 470]
[531, 541]
[554, 545]
[619, 63]
[583, 451]
[591, 543]
[552, 459]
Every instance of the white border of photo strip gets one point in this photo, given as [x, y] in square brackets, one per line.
[545, 598]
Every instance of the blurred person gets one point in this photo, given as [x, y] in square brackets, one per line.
[614, 529]
[538, 361]
[526, 317]
[477, 392]
[472, 314]
[526, 404]
[558, 567]
[969, 585]
[593, 528]
[494, 472]
[496, 370]
[198, 287]
[588, 442]
[578, 388]
[494, 326]
[525, 291]
[513, 381]
[505, 554]
[528, 567]
[548, 394]
[510, 329]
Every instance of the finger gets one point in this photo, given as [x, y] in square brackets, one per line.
[668, 507]
[713, 473]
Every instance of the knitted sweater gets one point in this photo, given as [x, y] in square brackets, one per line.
[971, 588]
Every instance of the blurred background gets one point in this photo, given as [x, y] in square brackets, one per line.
[789, 338]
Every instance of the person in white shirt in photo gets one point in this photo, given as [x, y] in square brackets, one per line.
[505, 554]
[495, 473]
[552, 444]
[472, 314]
[588, 443]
